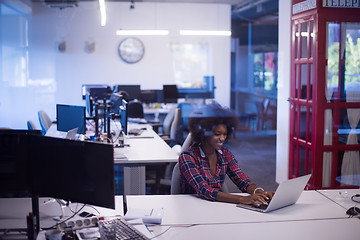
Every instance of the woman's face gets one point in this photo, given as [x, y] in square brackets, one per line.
[217, 139]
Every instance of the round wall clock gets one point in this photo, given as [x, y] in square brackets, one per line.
[131, 50]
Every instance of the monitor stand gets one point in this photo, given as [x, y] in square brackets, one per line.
[33, 219]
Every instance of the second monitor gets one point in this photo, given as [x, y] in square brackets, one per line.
[69, 117]
[170, 93]
[132, 91]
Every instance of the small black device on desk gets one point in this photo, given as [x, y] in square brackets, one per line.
[136, 131]
[353, 211]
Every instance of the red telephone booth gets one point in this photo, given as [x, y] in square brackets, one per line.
[325, 92]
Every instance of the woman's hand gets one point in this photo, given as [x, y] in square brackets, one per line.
[256, 198]
[269, 194]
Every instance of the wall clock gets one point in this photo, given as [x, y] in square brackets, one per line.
[131, 50]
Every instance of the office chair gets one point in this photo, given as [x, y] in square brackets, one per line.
[172, 128]
[31, 125]
[44, 120]
[175, 180]
[135, 109]
[187, 143]
[177, 129]
[166, 125]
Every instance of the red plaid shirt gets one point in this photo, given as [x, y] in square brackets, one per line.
[195, 175]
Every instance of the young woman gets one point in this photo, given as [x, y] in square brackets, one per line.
[204, 165]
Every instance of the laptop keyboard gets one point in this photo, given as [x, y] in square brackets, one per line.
[263, 206]
[119, 229]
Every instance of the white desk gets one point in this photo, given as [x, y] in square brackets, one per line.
[342, 196]
[13, 211]
[314, 216]
[188, 217]
[189, 209]
[328, 229]
[149, 148]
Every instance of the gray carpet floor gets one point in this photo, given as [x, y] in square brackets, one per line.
[255, 154]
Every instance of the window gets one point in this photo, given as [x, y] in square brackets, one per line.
[265, 70]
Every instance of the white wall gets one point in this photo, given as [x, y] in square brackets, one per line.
[53, 77]
[283, 111]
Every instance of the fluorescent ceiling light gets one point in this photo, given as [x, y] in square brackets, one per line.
[142, 32]
[204, 33]
[102, 12]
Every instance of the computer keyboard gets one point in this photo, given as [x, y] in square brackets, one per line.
[118, 229]
[135, 131]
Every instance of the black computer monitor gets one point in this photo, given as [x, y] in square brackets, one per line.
[77, 171]
[124, 116]
[99, 90]
[170, 93]
[15, 176]
[132, 91]
[69, 117]
[99, 93]
[149, 96]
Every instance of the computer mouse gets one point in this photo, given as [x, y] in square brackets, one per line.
[353, 211]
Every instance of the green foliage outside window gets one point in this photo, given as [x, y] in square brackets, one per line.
[351, 57]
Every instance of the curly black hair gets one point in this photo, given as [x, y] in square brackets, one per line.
[198, 126]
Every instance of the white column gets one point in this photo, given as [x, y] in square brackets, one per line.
[283, 119]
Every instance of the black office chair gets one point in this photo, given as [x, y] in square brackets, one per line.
[135, 109]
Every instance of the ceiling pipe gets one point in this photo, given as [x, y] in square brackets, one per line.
[246, 5]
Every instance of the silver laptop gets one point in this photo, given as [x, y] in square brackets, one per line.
[71, 134]
[286, 194]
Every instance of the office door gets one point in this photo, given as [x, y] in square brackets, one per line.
[301, 96]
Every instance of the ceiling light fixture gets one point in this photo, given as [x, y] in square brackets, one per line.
[204, 33]
[142, 32]
[102, 12]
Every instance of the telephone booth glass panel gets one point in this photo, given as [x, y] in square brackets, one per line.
[304, 36]
[332, 82]
[350, 59]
